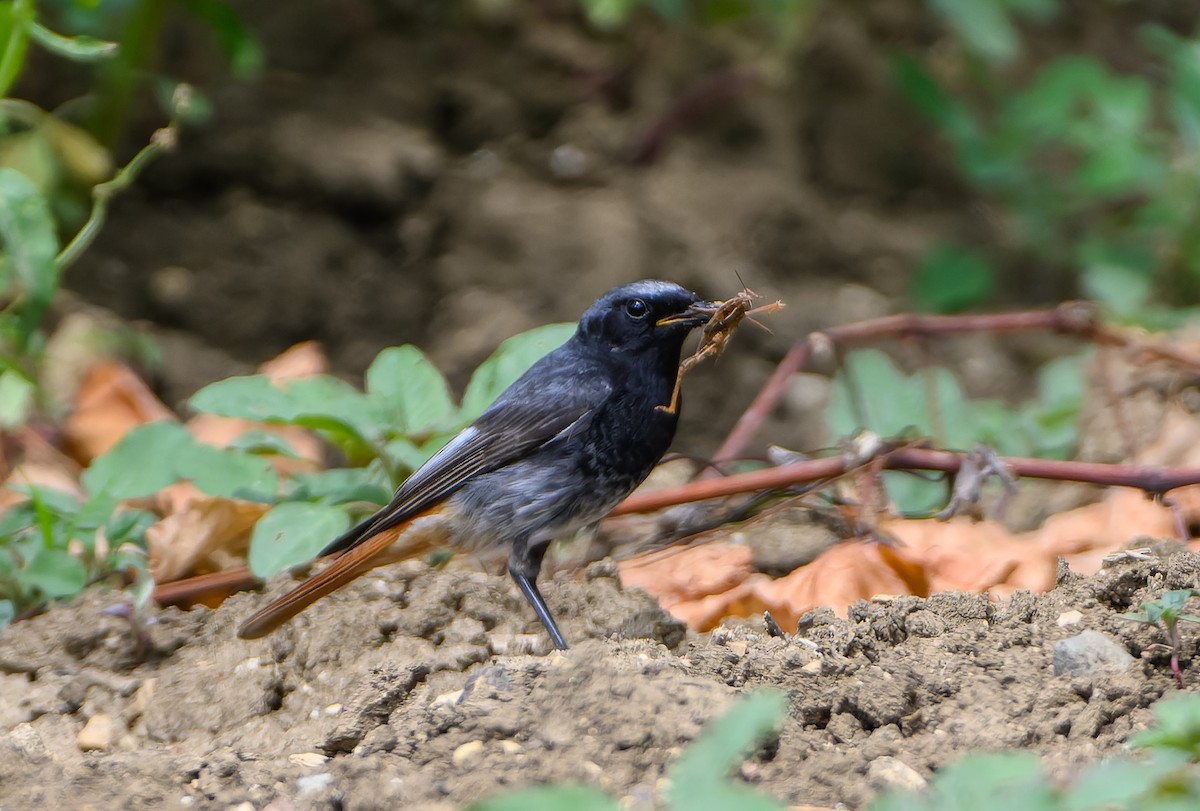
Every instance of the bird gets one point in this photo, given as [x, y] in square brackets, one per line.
[557, 450]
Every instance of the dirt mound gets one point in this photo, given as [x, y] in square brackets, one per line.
[414, 688]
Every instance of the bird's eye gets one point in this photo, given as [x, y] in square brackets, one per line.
[636, 308]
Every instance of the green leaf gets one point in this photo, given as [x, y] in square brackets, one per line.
[342, 486]
[150, 457]
[15, 20]
[16, 398]
[1124, 290]
[948, 113]
[129, 525]
[30, 244]
[264, 443]
[229, 474]
[549, 798]
[1121, 783]
[408, 393]
[142, 463]
[31, 152]
[700, 778]
[320, 402]
[951, 279]
[608, 15]
[54, 573]
[984, 26]
[58, 503]
[894, 403]
[990, 782]
[511, 360]
[8, 612]
[293, 533]
[931, 403]
[1050, 106]
[77, 49]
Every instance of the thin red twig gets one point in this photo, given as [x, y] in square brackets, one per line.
[1071, 318]
[1154, 481]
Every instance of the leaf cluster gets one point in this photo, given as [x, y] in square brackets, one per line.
[48, 545]
[403, 417]
[871, 392]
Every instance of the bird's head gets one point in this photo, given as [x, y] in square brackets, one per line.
[644, 315]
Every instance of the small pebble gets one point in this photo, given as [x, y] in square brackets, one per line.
[313, 783]
[468, 752]
[892, 773]
[1068, 618]
[307, 759]
[1089, 653]
[97, 734]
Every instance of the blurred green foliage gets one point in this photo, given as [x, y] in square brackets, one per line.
[607, 15]
[1095, 174]
[56, 180]
[1167, 779]
[57, 173]
[872, 393]
[405, 415]
[48, 544]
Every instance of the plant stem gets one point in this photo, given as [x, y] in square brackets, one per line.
[162, 141]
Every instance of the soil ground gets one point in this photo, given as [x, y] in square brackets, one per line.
[404, 691]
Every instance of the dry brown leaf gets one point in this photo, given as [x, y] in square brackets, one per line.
[705, 613]
[931, 556]
[111, 401]
[852, 571]
[38, 463]
[204, 534]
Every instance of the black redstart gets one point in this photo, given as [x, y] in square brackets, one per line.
[562, 446]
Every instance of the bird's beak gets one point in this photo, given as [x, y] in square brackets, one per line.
[695, 315]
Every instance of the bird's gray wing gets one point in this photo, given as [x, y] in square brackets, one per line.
[533, 411]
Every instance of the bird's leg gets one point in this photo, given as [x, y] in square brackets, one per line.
[524, 569]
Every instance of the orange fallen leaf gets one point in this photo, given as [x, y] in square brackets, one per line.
[686, 574]
[304, 359]
[111, 401]
[38, 463]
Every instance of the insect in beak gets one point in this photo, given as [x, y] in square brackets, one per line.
[695, 315]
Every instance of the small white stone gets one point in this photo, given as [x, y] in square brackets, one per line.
[97, 734]
[1068, 618]
[449, 699]
[468, 752]
[313, 783]
[309, 760]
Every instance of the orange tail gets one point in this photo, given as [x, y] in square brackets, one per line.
[351, 564]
